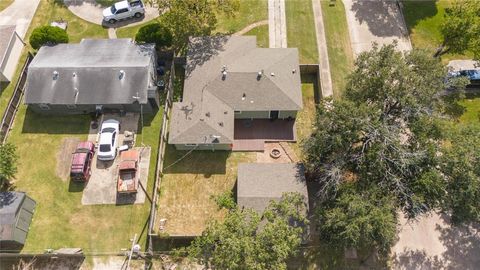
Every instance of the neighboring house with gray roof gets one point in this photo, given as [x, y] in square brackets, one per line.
[228, 78]
[16, 213]
[95, 74]
[260, 183]
[11, 46]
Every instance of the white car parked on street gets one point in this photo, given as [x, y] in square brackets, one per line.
[108, 142]
[123, 10]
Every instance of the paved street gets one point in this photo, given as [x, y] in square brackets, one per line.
[277, 24]
[19, 13]
[375, 21]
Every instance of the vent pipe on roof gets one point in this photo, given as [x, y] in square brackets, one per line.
[121, 75]
[272, 74]
[55, 75]
[74, 74]
[244, 96]
[224, 72]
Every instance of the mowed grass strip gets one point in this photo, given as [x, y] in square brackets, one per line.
[301, 30]
[423, 20]
[340, 54]
[261, 32]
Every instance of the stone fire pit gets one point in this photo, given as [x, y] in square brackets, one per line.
[275, 153]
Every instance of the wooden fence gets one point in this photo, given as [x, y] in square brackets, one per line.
[15, 100]
[161, 155]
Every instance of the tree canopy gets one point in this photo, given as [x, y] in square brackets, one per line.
[47, 35]
[8, 166]
[155, 33]
[187, 18]
[246, 240]
[377, 149]
[461, 28]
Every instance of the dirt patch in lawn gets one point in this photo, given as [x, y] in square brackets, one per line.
[64, 156]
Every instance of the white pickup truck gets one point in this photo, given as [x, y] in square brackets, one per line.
[123, 10]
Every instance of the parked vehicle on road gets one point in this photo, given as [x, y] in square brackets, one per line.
[123, 10]
[472, 74]
[128, 175]
[107, 149]
[80, 170]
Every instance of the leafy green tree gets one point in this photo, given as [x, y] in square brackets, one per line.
[361, 220]
[461, 167]
[384, 133]
[155, 33]
[47, 35]
[187, 18]
[461, 28]
[8, 161]
[246, 240]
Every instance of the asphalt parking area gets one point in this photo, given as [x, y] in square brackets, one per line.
[102, 186]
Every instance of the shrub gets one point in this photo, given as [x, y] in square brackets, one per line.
[155, 33]
[47, 35]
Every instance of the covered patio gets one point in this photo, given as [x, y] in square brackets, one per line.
[251, 135]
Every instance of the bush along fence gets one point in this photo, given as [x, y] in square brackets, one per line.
[15, 100]
[161, 155]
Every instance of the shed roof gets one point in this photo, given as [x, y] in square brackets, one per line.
[259, 183]
[222, 75]
[103, 71]
[16, 211]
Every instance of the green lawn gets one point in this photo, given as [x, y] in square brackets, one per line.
[262, 35]
[471, 114]
[340, 54]
[423, 20]
[250, 11]
[188, 186]
[4, 4]
[301, 30]
[60, 220]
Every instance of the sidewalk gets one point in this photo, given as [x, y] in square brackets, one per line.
[277, 25]
[324, 65]
[19, 13]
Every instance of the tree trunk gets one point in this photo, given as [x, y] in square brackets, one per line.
[441, 50]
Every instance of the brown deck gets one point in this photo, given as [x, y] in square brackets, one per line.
[250, 135]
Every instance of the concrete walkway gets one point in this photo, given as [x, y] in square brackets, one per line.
[19, 13]
[277, 24]
[375, 21]
[324, 65]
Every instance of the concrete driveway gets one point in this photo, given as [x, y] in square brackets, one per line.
[375, 21]
[90, 11]
[19, 13]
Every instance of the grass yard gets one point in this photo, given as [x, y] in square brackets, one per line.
[5, 3]
[130, 32]
[338, 45]
[423, 20]
[471, 114]
[301, 30]
[250, 11]
[188, 186]
[262, 35]
[60, 220]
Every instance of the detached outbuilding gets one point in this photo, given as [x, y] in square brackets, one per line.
[11, 46]
[16, 212]
[109, 75]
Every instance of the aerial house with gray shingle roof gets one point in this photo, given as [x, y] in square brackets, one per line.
[236, 96]
[95, 74]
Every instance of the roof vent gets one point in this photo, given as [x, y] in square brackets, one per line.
[121, 75]
[244, 96]
[55, 75]
[225, 112]
[207, 114]
[74, 74]
[294, 71]
[259, 74]
[224, 72]
[220, 124]
[272, 74]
